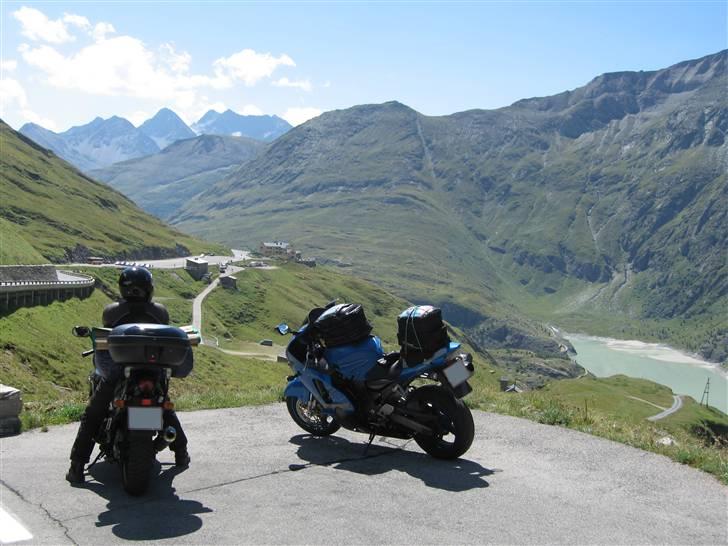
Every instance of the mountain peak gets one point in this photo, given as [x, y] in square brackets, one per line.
[259, 127]
[165, 128]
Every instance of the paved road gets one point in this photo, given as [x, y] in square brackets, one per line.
[197, 302]
[677, 403]
[257, 478]
[177, 263]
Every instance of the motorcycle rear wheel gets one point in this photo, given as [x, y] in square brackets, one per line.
[311, 420]
[136, 467]
[454, 420]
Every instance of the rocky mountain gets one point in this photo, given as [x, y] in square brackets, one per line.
[607, 203]
[265, 128]
[162, 183]
[49, 211]
[96, 144]
[165, 128]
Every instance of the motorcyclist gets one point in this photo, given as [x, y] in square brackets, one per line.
[136, 287]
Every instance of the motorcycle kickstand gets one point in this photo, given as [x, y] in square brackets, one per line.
[96, 460]
[369, 443]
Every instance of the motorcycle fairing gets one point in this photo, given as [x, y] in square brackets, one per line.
[303, 386]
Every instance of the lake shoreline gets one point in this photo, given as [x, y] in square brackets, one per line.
[683, 373]
[663, 352]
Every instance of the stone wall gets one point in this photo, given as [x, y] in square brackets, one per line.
[32, 273]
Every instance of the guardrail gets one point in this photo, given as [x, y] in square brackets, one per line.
[12, 286]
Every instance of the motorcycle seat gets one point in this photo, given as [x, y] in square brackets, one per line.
[386, 371]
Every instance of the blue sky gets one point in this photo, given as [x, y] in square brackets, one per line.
[64, 63]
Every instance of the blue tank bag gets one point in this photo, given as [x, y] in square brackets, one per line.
[355, 360]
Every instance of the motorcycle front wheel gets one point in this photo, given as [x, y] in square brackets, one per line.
[453, 422]
[310, 418]
[136, 466]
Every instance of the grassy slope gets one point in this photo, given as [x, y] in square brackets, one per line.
[48, 209]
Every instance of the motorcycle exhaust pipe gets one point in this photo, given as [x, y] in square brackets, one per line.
[410, 424]
[169, 435]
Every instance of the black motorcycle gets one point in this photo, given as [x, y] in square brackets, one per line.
[133, 428]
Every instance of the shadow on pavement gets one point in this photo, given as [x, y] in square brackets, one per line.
[156, 515]
[341, 454]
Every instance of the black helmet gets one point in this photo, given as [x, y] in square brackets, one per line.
[135, 284]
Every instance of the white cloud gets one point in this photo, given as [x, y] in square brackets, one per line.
[8, 65]
[301, 84]
[13, 97]
[117, 65]
[124, 66]
[298, 115]
[249, 66]
[76, 20]
[178, 62]
[101, 30]
[36, 26]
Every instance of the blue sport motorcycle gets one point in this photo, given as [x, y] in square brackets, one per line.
[343, 380]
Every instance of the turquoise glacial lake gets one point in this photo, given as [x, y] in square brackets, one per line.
[683, 373]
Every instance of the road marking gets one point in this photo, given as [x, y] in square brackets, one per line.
[11, 530]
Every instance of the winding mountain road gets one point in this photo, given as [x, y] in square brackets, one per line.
[677, 403]
[256, 478]
[197, 302]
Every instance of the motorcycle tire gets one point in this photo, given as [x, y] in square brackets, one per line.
[454, 418]
[316, 424]
[136, 467]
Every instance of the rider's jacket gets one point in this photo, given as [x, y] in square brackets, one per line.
[127, 312]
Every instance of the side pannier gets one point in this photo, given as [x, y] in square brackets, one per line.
[421, 332]
[342, 324]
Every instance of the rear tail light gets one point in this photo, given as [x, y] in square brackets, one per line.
[146, 402]
[146, 385]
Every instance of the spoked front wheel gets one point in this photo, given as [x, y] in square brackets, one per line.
[450, 419]
[309, 417]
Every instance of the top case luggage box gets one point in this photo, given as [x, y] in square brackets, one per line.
[421, 332]
[148, 344]
[342, 324]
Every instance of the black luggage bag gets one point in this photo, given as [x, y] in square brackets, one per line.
[342, 324]
[421, 332]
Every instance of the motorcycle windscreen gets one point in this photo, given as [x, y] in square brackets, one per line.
[355, 360]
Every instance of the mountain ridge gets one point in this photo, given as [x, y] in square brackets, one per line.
[265, 128]
[96, 144]
[614, 198]
[162, 182]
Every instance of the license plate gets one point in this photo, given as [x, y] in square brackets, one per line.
[144, 418]
[457, 373]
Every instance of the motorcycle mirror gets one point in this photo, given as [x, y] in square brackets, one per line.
[282, 328]
[81, 331]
